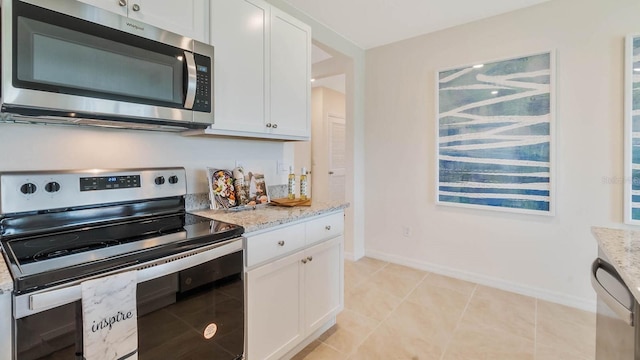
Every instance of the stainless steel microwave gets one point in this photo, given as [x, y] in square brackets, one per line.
[65, 61]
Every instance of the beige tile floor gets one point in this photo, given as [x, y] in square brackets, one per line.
[395, 312]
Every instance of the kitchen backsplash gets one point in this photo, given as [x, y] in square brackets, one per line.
[277, 191]
[201, 200]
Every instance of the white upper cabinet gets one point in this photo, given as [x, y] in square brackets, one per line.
[290, 74]
[189, 18]
[262, 71]
[238, 33]
[119, 7]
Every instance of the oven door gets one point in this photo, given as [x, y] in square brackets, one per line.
[190, 306]
[82, 61]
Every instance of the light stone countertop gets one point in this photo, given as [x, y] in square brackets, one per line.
[269, 216]
[622, 248]
[6, 282]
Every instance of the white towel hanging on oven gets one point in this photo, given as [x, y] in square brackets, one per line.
[110, 325]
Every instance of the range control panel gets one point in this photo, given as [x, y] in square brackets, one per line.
[109, 182]
[51, 190]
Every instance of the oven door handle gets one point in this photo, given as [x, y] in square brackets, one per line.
[192, 80]
[29, 304]
[622, 311]
[49, 300]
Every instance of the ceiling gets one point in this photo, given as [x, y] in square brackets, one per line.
[372, 23]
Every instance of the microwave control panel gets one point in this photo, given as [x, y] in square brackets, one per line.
[203, 97]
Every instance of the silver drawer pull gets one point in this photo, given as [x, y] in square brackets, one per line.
[328, 227]
[281, 242]
[310, 258]
[304, 261]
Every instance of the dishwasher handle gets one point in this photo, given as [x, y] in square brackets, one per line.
[620, 309]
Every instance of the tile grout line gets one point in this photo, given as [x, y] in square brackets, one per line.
[372, 331]
[392, 310]
[446, 347]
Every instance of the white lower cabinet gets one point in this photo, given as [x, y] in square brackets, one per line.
[291, 297]
[323, 290]
[274, 308]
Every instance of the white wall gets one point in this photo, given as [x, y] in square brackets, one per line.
[45, 147]
[542, 256]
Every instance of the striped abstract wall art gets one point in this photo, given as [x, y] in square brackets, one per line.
[632, 130]
[495, 130]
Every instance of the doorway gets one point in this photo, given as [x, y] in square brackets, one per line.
[325, 154]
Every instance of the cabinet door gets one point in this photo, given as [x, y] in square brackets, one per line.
[290, 75]
[323, 279]
[274, 308]
[110, 5]
[187, 17]
[238, 33]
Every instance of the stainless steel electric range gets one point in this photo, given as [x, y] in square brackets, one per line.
[61, 228]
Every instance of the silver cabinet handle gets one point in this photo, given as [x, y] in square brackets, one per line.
[275, 126]
[310, 258]
[192, 79]
[330, 172]
[122, 2]
[304, 261]
[620, 309]
[135, 7]
[268, 125]
[281, 242]
[328, 227]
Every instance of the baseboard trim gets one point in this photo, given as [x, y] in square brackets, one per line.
[542, 294]
[349, 256]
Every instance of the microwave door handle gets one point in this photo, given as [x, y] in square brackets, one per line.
[191, 80]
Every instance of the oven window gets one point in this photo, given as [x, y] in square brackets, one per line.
[58, 59]
[176, 315]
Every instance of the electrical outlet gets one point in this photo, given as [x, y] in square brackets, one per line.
[406, 231]
[282, 167]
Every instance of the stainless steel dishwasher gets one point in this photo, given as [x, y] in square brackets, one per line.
[617, 318]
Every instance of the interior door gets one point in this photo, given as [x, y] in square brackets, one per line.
[337, 157]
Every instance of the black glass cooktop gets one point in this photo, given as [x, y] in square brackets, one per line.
[49, 259]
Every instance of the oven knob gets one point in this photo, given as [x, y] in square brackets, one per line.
[159, 180]
[52, 187]
[28, 188]
[173, 179]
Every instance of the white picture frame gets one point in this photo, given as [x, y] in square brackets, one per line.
[631, 136]
[495, 135]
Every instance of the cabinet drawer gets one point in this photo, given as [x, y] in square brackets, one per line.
[273, 244]
[325, 228]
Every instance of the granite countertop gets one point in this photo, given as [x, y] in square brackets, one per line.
[622, 248]
[6, 282]
[268, 216]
